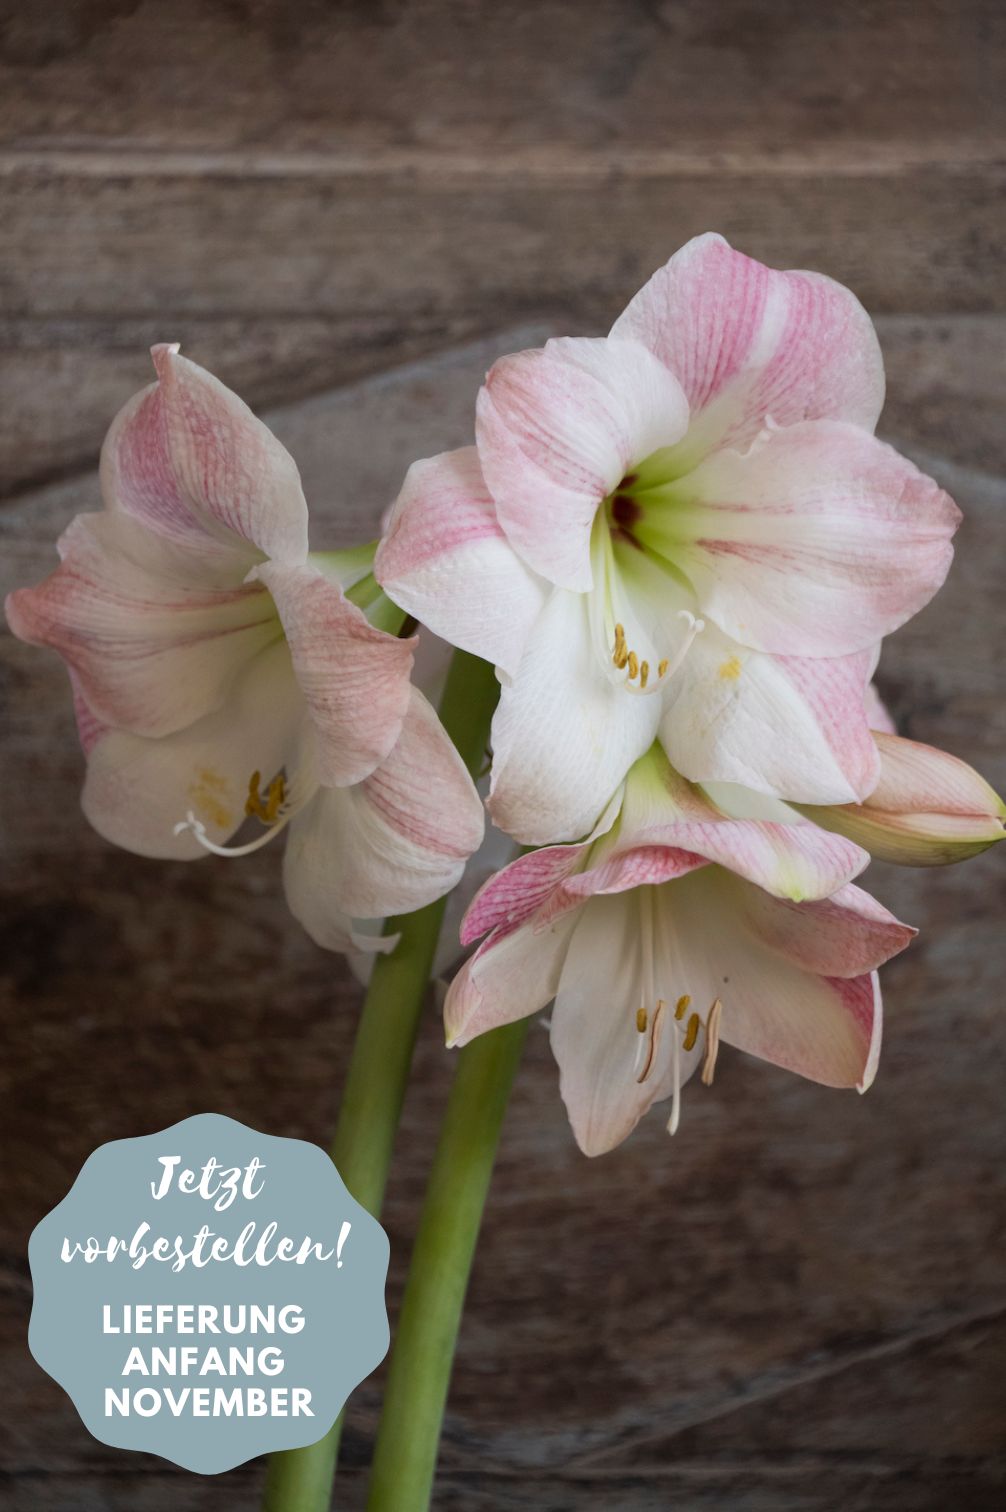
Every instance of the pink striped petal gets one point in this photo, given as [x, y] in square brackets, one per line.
[845, 935]
[749, 344]
[819, 538]
[731, 941]
[354, 679]
[90, 728]
[916, 778]
[667, 828]
[392, 843]
[827, 1029]
[520, 889]
[558, 429]
[150, 651]
[446, 561]
[792, 727]
[877, 713]
[189, 460]
[514, 973]
[788, 860]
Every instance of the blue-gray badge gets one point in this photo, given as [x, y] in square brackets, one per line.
[208, 1293]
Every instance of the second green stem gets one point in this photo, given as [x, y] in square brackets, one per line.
[405, 1455]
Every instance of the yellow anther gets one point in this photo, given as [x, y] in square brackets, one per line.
[712, 1043]
[633, 665]
[682, 1006]
[253, 802]
[265, 809]
[642, 1018]
[662, 667]
[621, 655]
[644, 672]
[651, 1051]
[692, 1032]
[619, 636]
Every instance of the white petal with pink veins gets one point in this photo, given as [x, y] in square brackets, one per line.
[354, 678]
[928, 808]
[842, 936]
[877, 713]
[558, 429]
[150, 653]
[792, 727]
[520, 889]
[188, 459]
[137, 790]
[446, 560]
[818, 540]
[391, 843]
[918, 779]
[749, 344]
[822, 1026]
[514, 973]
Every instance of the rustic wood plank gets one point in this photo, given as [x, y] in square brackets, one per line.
[141, 241]
[193, 169]
[741, 1318]
[900, 79]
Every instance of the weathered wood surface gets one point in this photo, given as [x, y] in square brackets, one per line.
[799, 1305]
[307, 193]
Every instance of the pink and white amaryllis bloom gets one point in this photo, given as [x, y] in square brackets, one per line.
[672, 928]
[222, 674]
[684, 529]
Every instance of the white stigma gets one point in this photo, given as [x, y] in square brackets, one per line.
[198, 829]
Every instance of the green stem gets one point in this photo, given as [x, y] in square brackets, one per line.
[300, 1480]
[405, 1455]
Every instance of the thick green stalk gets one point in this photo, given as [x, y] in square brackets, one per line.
[405, 1455]
[300, 1480]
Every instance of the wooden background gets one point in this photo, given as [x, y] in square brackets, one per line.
[345, 210]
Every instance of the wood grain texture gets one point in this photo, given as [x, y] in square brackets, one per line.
[310, 192]
[874, 78]
[797, 1305]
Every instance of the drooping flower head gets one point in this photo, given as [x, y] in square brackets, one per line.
[222, 673]
[684, 530]
[672, 928]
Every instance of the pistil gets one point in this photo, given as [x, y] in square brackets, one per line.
[275, 810]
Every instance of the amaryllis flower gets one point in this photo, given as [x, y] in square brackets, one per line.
[222, 674]
[671, 929]
[684, 529]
